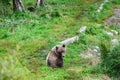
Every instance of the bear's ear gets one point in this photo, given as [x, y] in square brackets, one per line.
[56, 47]
[63, 45]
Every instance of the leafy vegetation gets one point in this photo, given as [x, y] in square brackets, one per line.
[5, 7]
[111, 62]
[26, 39]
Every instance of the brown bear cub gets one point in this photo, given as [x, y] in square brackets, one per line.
[55, 56]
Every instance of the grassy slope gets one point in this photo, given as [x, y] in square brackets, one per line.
[27, 38]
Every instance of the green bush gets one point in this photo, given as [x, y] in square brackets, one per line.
[116, 1]
[111, 63]
[105, 48]
[5, 8]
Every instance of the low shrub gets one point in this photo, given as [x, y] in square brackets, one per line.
[111, 62]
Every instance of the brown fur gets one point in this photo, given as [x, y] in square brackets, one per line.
[55, 56]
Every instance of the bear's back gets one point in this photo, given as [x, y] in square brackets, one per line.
[51, 59]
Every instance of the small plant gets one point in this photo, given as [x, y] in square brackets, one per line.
[105, 49]
[84, 39]
[56, 14]
[94, 30]
[111, 62]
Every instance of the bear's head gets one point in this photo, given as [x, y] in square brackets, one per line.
[60, 50]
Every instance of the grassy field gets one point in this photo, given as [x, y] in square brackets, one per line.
[26, 39]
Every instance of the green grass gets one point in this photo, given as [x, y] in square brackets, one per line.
[26, 39]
